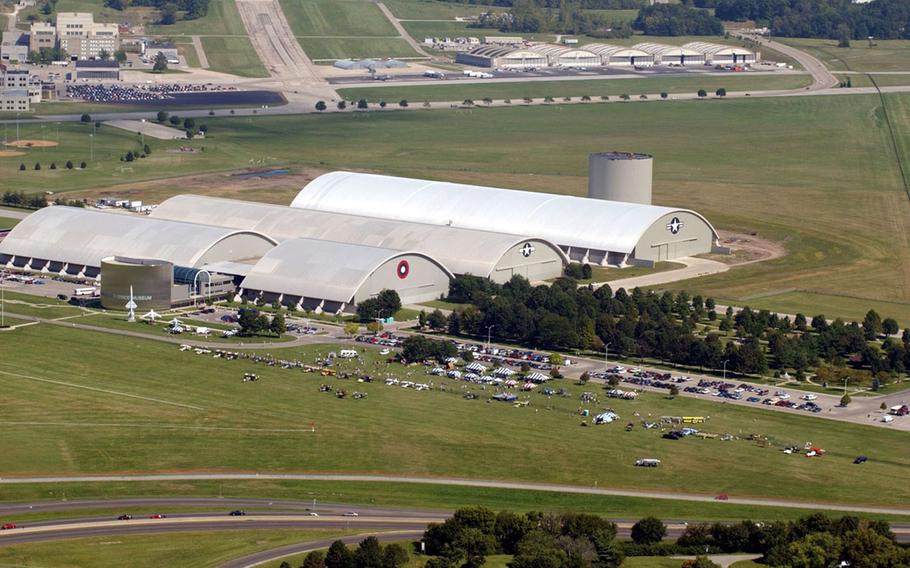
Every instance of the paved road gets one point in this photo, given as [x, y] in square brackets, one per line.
[15, 214]
[400, 29]
[694, 267]
[200, 52]
[822, 77]
[460, 482]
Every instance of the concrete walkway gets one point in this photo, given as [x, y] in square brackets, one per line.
[694, 268]
[200, 52]
[400, 29]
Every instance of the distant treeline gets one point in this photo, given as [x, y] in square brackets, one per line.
[170, 9]
[586, 4]
[676, 20]
[882, 19]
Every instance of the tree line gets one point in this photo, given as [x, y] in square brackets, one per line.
[368, 554]
[832, 19]
[673, 327]
[677, 20]
[578, 540]
[171, 10]
[565, 17]
[586, 4]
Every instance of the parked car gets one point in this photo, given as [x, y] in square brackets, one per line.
[157, 516]
[124, 517]
[351, 514]
[237, 513]
[8, 526]
[722, 497]
[860, 459]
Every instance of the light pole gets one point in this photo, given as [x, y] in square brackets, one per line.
[2, 300]
[489, 328]
[725, 370]
[607, 356]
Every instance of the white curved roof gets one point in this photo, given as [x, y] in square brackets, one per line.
[665, 50]
[560, 51]
[608, 50]
[716, 48]
[462, 251]
[503, 51]
[565, 220]
[321, 269]
[83, 236]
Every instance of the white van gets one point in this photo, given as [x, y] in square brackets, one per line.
[347, 354]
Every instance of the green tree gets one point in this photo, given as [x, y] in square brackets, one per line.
[890, 326]
[37, 166]
[339, 556]
[315, 559]
[362, 104]
[701, 562]
[422, 319]
[436, 320]
[342, 105]
[320, 106]
[161, 116]
[69, 164]
[702, 93]
[278, 325]
[557, 360]
[663, 95]
[351, 329]
[160, 65]
[674, 391]
[509, 528]
[394, 556]
[104, 55]
[120, 56]
[82, 165]
[872, 325]
[21, 167]
[721, 92]
[403, 103]
[189, 124]
[845, 400]
[147, 150]
[368, 553]
[168, 17]
[248, 320]
[649, 530]
[86, 118]
[174, 120]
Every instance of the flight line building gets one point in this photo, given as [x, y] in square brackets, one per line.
[347, 236]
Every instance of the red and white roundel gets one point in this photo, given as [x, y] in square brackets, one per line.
[403, 269]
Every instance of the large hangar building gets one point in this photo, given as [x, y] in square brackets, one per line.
[333, 277]
[497, 256]
[588, 230]
[73, 241]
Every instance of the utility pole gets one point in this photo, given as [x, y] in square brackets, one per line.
[607, 356]
[489, 328]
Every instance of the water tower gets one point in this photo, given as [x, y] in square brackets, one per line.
[620, 176]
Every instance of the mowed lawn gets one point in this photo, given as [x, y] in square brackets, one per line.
[233, 55]
[356, 47]
[336, 18]
[884, 55]
[594, 88]
[222, 18]
[435, 10]
[873, 79]
[150, 407]
[193, 549]
[6, 222]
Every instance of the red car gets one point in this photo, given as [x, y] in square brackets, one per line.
[157, 516]
[8, 526]
[722, 497]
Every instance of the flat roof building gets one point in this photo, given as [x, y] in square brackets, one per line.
[588, 230]
[14, 47]
[15, 100]
[101, 70]
[83, 38]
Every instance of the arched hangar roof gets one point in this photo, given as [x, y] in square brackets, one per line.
[565, 220]
[666, 50]
[463, 251]
[557, 51]
[608, 50]
[325, 270]
[716, 48]
[82, 236]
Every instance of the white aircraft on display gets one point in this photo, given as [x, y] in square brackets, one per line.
[131, 306]
[151, 316]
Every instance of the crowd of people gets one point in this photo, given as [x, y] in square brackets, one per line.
[137, 93]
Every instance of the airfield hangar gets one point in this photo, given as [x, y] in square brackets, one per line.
[601, 230]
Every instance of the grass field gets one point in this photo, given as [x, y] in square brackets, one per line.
[615, 15]
[356, 47]
[336, 18]
[880, 80]
[595, 88]
[433, 10]
[233, 55]
[139, 390]
[7, 223]
[885, 55]
[200, 549]
[847, 253]
[222, 19]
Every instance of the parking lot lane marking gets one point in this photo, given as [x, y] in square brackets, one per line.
[95, 389]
